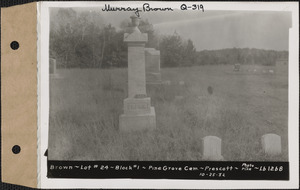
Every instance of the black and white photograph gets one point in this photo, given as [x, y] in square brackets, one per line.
[156, 83]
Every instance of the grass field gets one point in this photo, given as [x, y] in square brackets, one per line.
[85, 105]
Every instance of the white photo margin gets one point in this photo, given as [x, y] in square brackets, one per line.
[293, 113]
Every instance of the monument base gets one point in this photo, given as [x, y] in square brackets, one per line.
[153, 78]
[136, 122]
[213, 158]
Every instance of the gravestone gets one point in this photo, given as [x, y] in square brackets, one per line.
[271, 144]
[236, 67]
[181, 82]
[167, 82]
[212, 148]
[138, 112]
[152, 57]
[52, 66]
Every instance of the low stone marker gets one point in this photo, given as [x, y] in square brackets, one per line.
[167, 82]
[236, 67]
[271, 71]
[212, 148]
[152, 58]
[271, 144]
[52, 66]
[181, 82]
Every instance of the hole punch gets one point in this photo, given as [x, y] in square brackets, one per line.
[14, 45]
[16, 149]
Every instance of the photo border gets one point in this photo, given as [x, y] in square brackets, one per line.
[293, 117]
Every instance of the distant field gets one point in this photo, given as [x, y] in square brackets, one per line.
[85, 105]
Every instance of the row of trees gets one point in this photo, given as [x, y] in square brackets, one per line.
[82, 39]
[242, 56]
[177, 52]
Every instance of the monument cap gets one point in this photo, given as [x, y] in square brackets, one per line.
[135, 20]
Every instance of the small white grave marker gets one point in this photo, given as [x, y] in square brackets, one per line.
[167, 82]
[271, 71]
[212, 148]
[271, 144]
[181, 82]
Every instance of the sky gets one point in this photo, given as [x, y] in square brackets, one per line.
[212, 30]
[235, 29]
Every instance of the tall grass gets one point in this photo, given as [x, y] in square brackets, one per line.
[85, 106]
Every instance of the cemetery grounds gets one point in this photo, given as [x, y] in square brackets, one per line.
[85, 105]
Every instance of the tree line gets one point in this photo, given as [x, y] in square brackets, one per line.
[241, 56]
[83, 40]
